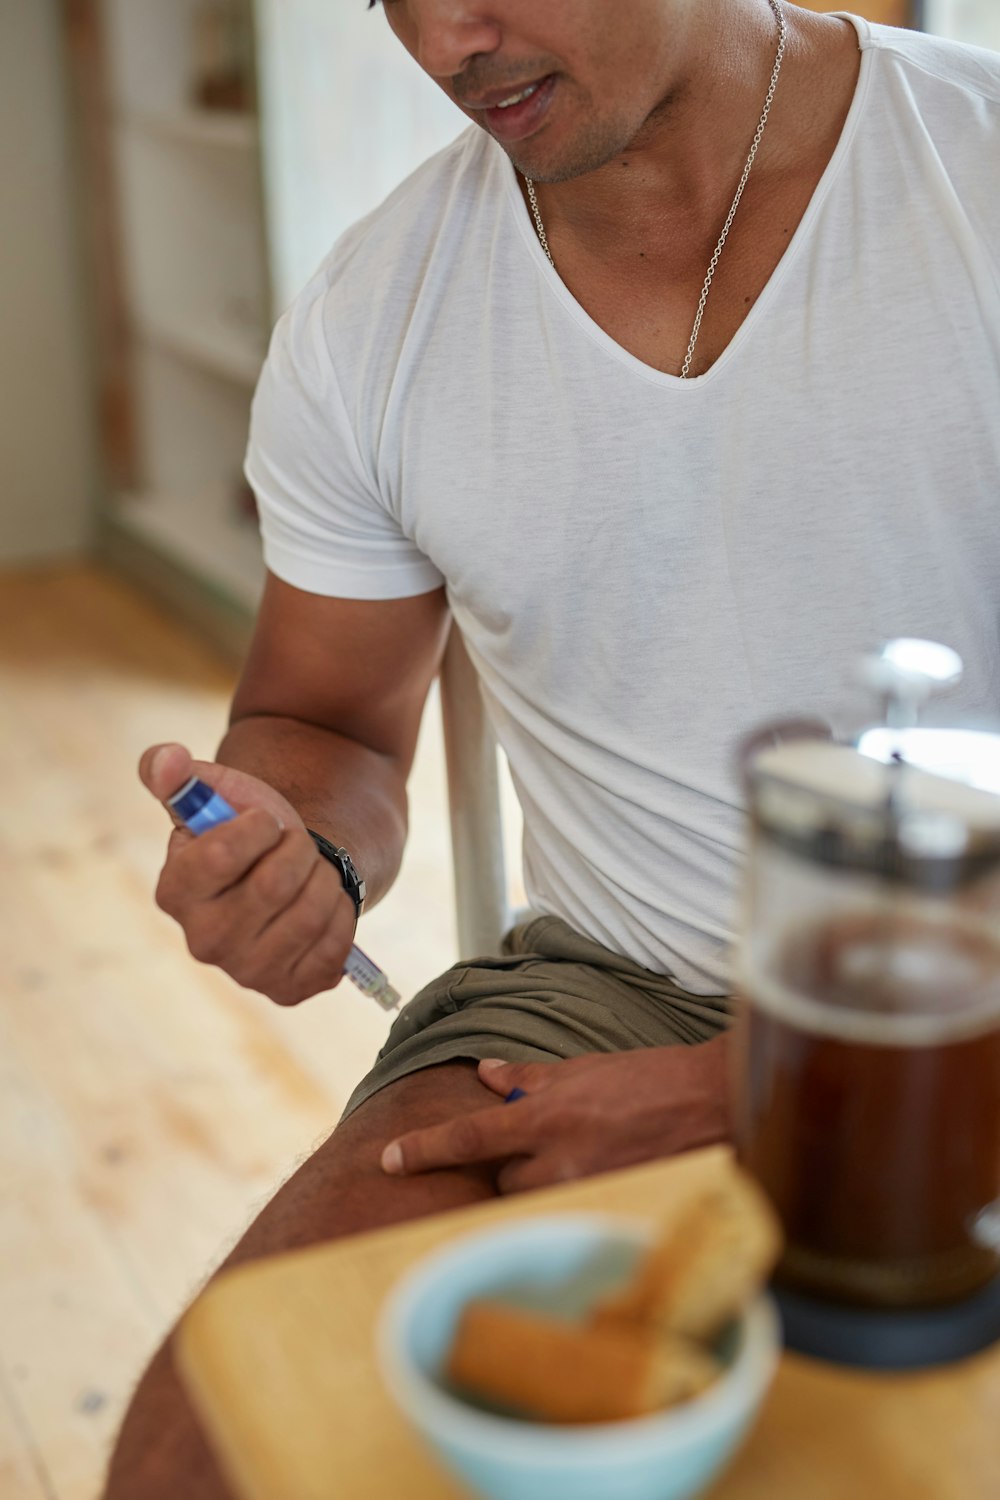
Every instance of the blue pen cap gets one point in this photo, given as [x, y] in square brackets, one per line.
[198, 807]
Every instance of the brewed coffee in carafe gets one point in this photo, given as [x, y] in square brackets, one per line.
[867, 1040]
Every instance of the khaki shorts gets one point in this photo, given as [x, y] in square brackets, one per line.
[549, 994]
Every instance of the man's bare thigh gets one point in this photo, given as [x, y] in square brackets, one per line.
[340, 1190]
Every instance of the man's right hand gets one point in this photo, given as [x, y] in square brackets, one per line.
[253, 896]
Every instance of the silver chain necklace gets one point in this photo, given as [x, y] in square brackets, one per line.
[713, 263]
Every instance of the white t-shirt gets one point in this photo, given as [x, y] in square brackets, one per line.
[644, 568]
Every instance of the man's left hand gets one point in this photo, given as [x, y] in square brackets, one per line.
[586, 1115]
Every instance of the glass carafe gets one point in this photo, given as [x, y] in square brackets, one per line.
[867, 1041]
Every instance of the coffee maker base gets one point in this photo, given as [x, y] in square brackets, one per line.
[890, 1340]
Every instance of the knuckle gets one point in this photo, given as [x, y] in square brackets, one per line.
[276, 882]
[274, 981]
[165, 895]
[303, 991]
[205, 942]
[217, 859]
[287, 995]
[202, 947]
[331, 946]
[262, 824]
[249, 970]
[311, 923]
[315, 974]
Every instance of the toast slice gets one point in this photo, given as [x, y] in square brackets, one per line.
[706, 1269]
[557, 1371]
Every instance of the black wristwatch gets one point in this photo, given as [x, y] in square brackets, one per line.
[353, 884]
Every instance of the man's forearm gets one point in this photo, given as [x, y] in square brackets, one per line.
[340, 788]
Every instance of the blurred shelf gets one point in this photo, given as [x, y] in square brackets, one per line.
[201, 534]
[226, 130]
[182, 214]
[212, 345]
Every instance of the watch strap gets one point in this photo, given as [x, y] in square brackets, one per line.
[338, 856]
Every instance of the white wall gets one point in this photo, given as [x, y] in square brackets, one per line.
[347, 115]
[976, 21]
[47, 472]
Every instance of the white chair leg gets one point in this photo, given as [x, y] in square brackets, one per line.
[481, 901]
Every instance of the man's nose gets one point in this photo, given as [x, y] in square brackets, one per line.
[452, 32]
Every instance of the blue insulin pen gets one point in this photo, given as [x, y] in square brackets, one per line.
[199, 808]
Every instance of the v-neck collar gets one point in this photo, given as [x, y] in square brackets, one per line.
[555, 284]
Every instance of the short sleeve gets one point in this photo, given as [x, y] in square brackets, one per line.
[323, 525]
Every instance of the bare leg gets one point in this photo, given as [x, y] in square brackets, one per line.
[340, 1190]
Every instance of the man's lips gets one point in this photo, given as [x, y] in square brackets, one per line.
[495, 97]
[513, 112]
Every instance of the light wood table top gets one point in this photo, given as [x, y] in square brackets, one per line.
[279, 1358]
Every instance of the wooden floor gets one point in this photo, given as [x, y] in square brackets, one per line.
[148, 1106]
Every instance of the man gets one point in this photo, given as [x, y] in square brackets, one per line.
[669, 485]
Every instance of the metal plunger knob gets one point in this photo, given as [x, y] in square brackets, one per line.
[907, 673]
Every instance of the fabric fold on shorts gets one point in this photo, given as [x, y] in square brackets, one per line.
[549, 994]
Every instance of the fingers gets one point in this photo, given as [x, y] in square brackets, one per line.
[303, 950]
[163, 769]
[202, 868]
[252, 895]
[483, 1136]
[283, 925]
[229, 899]
[504, 1077]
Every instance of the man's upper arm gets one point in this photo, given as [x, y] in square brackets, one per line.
[361, 667]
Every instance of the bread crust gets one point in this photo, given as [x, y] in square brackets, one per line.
[556, 1371]
[647, 1347]
[701, 1275]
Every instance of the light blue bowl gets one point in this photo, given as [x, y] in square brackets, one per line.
[562, 1264]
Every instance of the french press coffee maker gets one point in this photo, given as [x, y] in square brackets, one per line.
[866, 1058]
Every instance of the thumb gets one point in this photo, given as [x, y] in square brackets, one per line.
[163, 769]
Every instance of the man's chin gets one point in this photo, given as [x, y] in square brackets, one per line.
[553, 166]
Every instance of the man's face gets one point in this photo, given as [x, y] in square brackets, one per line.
[563, 85]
